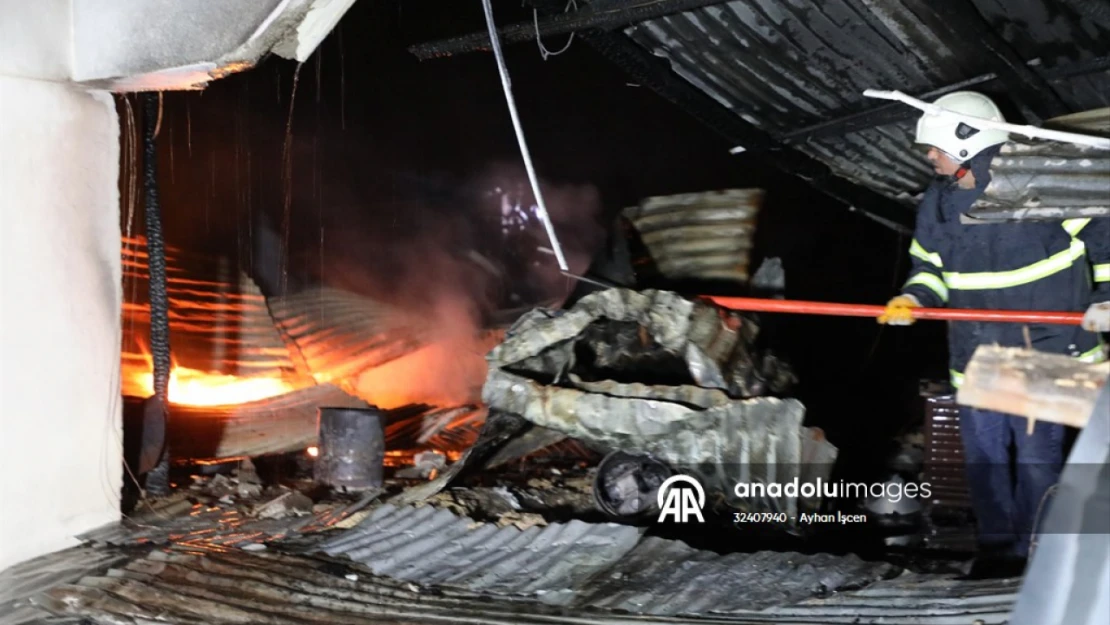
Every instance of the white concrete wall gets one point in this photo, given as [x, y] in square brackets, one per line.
[60, 450]
[35, 39]
[60, 432]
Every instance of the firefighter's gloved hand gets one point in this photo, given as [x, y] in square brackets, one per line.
[899, 311]
[1097, 318]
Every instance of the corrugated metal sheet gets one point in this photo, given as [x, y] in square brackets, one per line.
[785, 64]
[588, 565]
[609, 567]
[237, 587]
[1049, 179]
[279, 424]
[219, 320]
[341, 334]
[27, 579]
[1036, 28]
[422, 565]
[433, 546]
[439, 428]
[316, 343]
[288, 423]
[700, 236]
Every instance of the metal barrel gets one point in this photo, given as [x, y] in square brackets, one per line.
[351, 448]
[626, 485]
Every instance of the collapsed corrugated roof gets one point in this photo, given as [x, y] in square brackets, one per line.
[788, 67]
[340, 334]
[300, 351]
[237, 587]
[426, 565]
[219, 320]
[590, 565]
[785, 79]
[693, 420]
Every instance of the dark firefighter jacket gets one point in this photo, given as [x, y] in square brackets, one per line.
[1029, 265]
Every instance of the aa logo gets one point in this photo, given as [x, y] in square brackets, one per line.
[681, 503]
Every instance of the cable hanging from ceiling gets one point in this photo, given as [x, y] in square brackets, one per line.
[544, 52]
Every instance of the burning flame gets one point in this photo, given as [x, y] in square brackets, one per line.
[313, 451]
[191, 387]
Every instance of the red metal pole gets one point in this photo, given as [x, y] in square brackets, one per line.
[870, 310]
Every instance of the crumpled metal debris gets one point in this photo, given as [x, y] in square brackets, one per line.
[498, 429]
[700, 427]
[625, 331]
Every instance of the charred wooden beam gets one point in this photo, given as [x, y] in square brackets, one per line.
[876, 116]
[655, 73]
[599, 15]
[1031, 384]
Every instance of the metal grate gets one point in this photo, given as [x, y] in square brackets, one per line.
[948, 512]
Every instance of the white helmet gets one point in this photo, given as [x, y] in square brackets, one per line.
[958, 139]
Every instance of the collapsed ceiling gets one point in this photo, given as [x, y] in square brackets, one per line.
[785, 78]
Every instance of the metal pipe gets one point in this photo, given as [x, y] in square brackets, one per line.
[592, 16]
[753, 304]
[503, 70]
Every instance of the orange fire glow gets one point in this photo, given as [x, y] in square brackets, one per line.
[313, 451]
[191, 387]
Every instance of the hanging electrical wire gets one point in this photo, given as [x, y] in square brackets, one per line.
[544, 52]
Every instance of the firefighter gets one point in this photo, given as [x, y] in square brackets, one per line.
[1028, 265]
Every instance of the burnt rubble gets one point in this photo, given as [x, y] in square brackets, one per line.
[654, 373]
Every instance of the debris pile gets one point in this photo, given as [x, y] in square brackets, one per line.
[552, 495]
[652, 372]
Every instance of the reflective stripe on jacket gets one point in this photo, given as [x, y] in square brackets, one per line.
[1029, 265]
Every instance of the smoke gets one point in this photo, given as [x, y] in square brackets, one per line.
[451, 271]
[448, 371]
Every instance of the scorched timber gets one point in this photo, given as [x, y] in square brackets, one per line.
[1039, 386]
